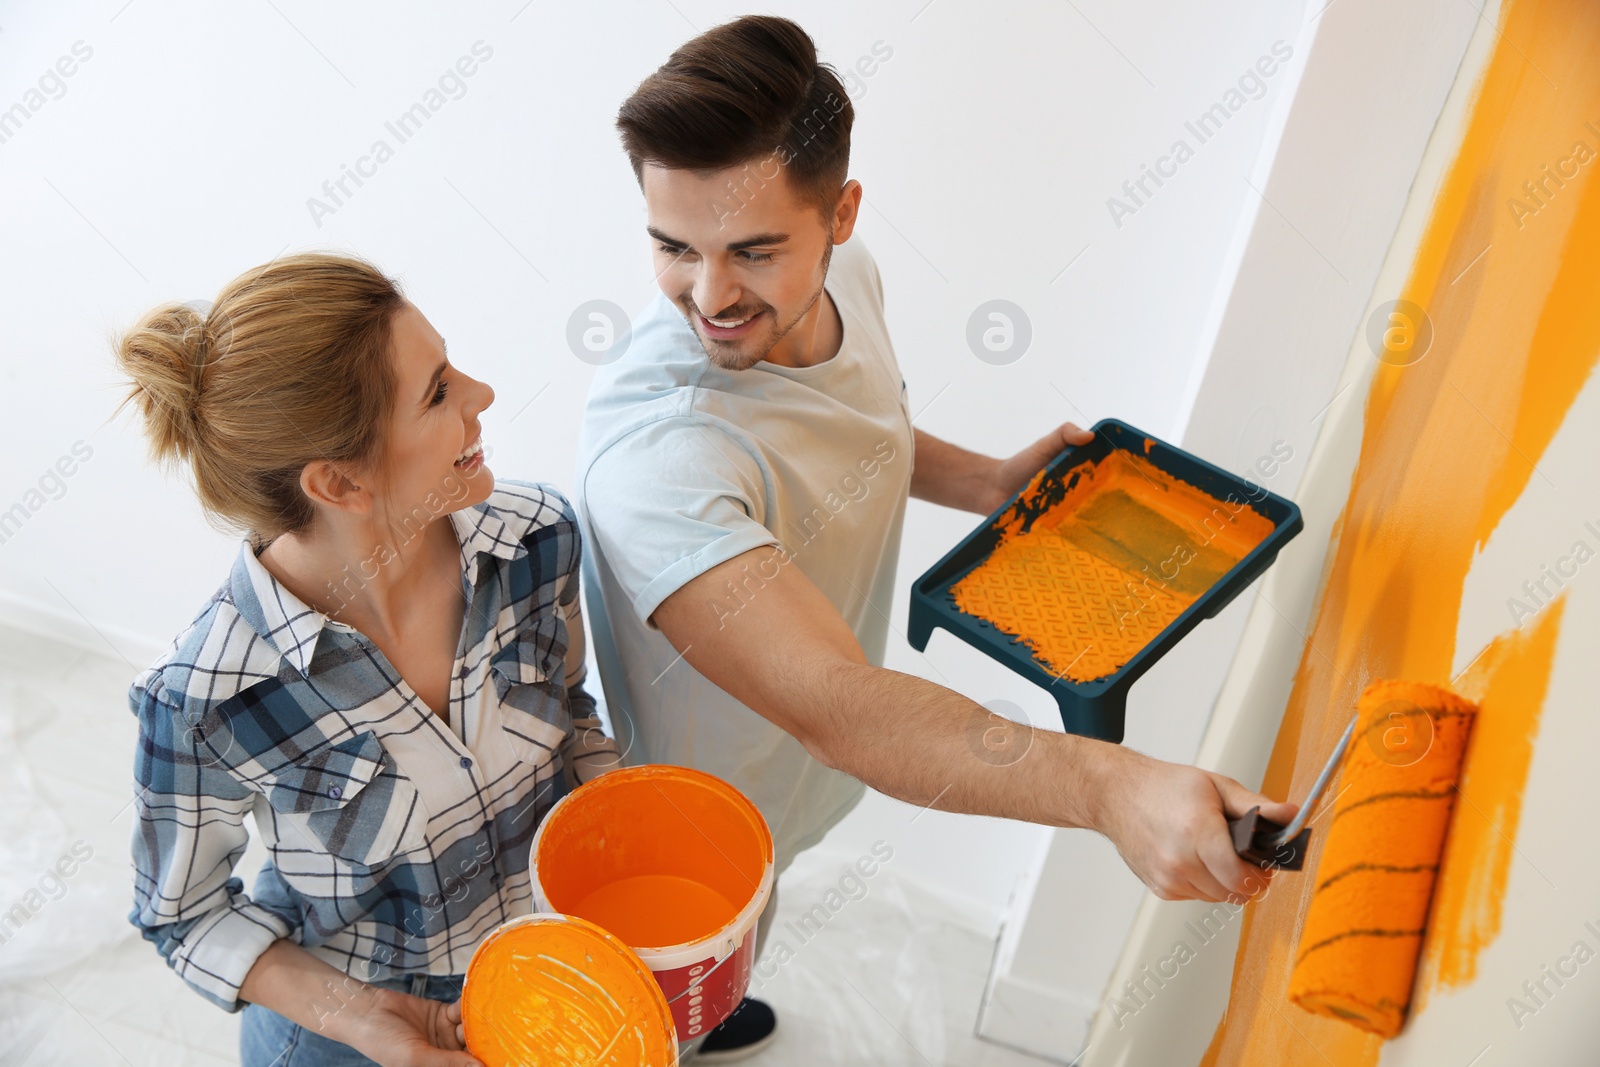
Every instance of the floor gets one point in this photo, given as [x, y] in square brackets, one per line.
[893, 976]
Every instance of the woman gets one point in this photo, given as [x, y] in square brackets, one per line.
[389, 679]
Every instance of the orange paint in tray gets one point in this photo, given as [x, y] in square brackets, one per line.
[1092, 579]
[1099, 566]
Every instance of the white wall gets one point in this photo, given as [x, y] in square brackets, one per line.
[184, 150]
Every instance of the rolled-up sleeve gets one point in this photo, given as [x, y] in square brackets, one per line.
[188, 836]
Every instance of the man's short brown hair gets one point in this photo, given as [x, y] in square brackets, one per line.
[746, 90]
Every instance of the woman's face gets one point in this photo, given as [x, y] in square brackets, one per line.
[434, 462]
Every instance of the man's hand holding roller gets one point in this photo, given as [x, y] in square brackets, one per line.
[1167, 820]
[788, 654]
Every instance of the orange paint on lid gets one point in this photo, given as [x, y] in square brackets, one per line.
[551, 990]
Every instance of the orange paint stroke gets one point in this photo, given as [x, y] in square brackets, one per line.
[1100, 574]
[1508, 682]
[1449, 444]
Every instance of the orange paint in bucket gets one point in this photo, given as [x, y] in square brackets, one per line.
[678, 864]
[548, 990]
[657, 909]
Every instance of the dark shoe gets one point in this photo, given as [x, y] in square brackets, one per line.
[751, 1028]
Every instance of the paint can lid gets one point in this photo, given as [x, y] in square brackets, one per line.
[552, 989]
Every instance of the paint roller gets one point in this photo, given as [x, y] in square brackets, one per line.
[1265, 843]
[1357, 957]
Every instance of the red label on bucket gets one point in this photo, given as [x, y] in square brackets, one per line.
[704, 994]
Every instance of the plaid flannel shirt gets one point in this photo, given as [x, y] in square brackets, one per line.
[397, 840]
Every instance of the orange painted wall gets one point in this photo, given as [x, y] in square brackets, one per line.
[1510, 284]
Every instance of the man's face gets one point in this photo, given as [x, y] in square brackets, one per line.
[741, 254]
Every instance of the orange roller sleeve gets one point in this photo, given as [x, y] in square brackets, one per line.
[1357, 956]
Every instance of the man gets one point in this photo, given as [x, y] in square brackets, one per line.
[743, 472]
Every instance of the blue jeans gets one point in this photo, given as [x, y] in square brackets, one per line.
[267, 1039]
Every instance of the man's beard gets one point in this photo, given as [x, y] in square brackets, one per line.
[735, 358]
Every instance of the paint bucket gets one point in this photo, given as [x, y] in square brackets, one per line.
[677, 864]
[549, 990]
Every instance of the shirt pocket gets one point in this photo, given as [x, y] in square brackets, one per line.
[350, 800]
[529, 677]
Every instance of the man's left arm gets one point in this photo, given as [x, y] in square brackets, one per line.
[943, 473]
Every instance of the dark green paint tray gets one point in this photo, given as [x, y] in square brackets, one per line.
[1096, 708]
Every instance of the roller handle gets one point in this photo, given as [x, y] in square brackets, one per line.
[1255, 838]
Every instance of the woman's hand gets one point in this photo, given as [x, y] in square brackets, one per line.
[393, 1028]
[399, 1030]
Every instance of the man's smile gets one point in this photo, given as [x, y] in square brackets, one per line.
[728, 328]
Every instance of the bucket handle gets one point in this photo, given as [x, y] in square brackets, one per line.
[701, 980]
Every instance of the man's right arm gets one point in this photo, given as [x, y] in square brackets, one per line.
[788, 654]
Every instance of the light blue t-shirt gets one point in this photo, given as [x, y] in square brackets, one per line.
[682, 466]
